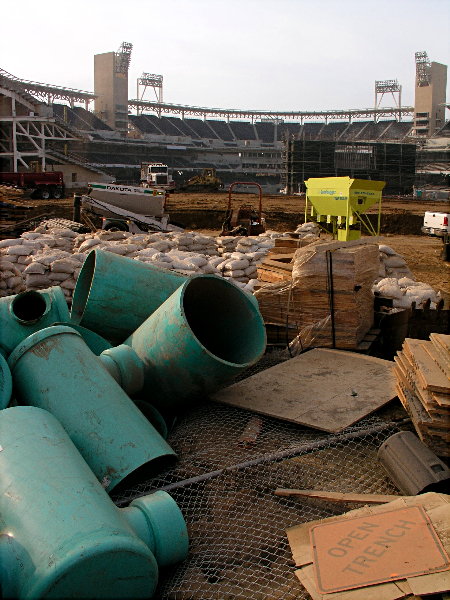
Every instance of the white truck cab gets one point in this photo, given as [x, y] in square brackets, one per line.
[156, 175]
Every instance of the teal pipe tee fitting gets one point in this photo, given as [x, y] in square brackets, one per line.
[61, 536]
[205, 334]
[54, 369]
[115, 294]
[27, 312]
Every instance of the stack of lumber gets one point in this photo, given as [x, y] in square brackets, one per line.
[330, 293]
[289, 244]
[423, 385]
[276, 268]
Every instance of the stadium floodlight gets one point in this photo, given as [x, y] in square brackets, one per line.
[388, 86]
[423, 69]
[150, 80]
[123, 57]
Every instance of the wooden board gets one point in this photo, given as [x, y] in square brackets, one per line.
[430, 375]
[324, 389]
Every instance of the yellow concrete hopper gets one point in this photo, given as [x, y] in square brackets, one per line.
[342, 201]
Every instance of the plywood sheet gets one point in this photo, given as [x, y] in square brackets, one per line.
[324, 389]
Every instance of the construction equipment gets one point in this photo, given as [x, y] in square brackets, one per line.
[156, 175]
[128, 208]
[341, 201]
[245, 220]
[48, 184]
[207, 181]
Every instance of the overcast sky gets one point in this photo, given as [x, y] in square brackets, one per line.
[247, 54]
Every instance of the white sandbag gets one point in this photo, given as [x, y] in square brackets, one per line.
[24, 260]
[68, 284]
[59, 276]
[63, 265]
[234, 273]
[35, 268]
[238, 264]
[14, 281]
[199, 261]
[387, 250]
[33, 281]
[394, 262]
[19, 250]
[86, 245]
[11, 242]
[250, 271]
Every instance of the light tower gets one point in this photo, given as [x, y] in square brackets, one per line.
[430, 95]
[111, 87]
[155, 82]
[389, 86]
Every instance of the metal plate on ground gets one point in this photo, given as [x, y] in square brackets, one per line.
[376, 548]
[324, 389]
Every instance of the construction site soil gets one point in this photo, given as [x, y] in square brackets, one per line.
[401, 221]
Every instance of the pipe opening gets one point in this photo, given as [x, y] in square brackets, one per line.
[83, 288]
[143, 473]
[29, 306]
[224, 320]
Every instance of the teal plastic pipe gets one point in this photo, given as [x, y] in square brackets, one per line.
[55, 370]
[25, 313]
[94, 341]
[115, 294]
[5, 383]
[61, 536]
[205, 334]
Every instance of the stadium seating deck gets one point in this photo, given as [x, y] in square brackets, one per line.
[222, 130]
[266, 132]
[201, 128]
[243, 130]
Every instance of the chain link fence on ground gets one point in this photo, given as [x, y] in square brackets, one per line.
[230, 463]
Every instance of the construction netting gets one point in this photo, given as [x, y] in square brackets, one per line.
[230, 463]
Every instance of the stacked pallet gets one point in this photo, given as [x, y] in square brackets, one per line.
[275, 268]
[288, 244]
[423, 385]
[329, 300]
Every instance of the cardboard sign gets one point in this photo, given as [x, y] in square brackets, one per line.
[377, 548]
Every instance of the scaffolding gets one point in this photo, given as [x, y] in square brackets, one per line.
[391, 162]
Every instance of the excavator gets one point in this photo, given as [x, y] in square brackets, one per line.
[206, 181]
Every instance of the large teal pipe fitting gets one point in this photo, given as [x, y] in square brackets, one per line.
[204, 335]
[61, 536]
[115, 294]
[125, 366]
[27, 312]
[5, 383]
[55, 370]
[94, 341]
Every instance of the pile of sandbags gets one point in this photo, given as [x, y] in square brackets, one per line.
[392, 264]
[11, 280]
[405, 291]
[51, 257]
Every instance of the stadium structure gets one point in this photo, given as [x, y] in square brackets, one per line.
[104, 135]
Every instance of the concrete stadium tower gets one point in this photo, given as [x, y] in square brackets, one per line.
[111, 87]
[430, 95]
